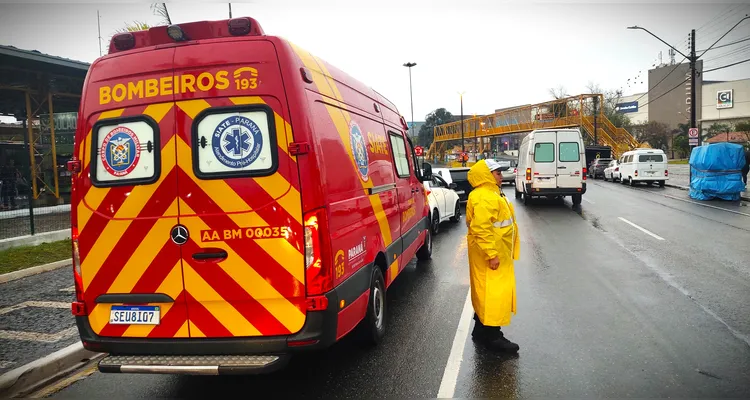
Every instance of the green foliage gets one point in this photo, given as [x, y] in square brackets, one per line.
[743, 126]
[715, 129]
[18, 258]
[657, 134]
[433, 119]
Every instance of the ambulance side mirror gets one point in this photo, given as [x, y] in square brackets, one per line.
[426, 172]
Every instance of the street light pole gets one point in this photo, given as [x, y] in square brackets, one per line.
[463, 148]
[411, 99]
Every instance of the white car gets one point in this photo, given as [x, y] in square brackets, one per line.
[644, 165]
[612, 172]
[444, 202]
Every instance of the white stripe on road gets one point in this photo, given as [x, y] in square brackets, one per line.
[646, 231]
[452, 367]
[38, 337]
[71, 289]
[706, 205]
[587, 200]
[45, 304]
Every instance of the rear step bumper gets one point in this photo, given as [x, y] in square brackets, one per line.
[554, 191]
[193, 365]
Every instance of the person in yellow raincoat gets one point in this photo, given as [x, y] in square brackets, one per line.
[493, 245]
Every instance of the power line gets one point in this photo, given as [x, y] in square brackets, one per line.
[665, 93]
[730, 53]
[712, 20]
[662, 80]
[726, 66]
[725, 45]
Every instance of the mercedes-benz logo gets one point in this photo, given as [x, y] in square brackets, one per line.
[179, 235]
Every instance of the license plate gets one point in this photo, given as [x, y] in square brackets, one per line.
[460, 192]
[134, 315]
[650, 172]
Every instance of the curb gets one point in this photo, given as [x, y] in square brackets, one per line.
[743, 198]
[33, 240]
[12, 276]
[40, 372]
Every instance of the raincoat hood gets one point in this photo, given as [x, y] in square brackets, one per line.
[480, 174]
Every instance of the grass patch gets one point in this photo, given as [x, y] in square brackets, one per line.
[678, 161]
[18, 258]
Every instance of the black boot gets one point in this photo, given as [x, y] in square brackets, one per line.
[480, 332]
[500, 343]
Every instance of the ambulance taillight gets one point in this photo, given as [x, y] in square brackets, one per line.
[124, 41]
[78, 307]
[317, 269]
[239, 26]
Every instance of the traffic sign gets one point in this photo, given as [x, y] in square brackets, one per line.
[419, 151]
[692, 141]
[693, 133]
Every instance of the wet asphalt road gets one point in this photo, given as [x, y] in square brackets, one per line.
[604, 309]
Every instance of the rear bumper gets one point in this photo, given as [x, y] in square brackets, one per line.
[555, 191]
[650, 178]
[319, 332]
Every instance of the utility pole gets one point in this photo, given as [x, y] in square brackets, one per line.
[99, 29]
[230, 10]
[411, 98]
[693, 61]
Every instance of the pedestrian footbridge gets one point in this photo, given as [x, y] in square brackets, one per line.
[582, 111]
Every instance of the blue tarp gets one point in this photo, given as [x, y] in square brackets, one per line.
[716, 171]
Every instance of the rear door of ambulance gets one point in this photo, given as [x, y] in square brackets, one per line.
[243, 264]
[126, 206]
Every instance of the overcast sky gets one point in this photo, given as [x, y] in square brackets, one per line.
[500, 54]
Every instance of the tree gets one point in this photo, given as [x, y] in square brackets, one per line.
[433, 119]
[717, 128]
[611, 99]
[657, 134]
[158, 9]
[743, 126]
[680, 145]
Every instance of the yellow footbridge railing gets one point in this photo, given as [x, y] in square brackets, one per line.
[576, 111]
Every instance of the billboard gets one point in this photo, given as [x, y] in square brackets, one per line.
[724, 99]
[629, 107]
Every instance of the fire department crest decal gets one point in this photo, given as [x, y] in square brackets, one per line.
[121, 151]
[359, 150]
[237, 142]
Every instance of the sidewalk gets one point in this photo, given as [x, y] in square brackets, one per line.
[679, 177]
[35, 318]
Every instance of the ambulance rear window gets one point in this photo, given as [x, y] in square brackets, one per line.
[235, 142]
[125, 151]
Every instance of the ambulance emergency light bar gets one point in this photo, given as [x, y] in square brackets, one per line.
[160, 35]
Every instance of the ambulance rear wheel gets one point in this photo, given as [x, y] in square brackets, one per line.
[425, 252]
[372, 328]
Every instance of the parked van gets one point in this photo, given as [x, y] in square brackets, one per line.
[644, 165]
[235, 199]
[551, 163]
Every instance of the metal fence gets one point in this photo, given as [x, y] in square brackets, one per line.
[21, 213]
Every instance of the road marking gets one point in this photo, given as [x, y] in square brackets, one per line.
[71, 289]
[452, 367]
[39, 337]
[5, 364]
[704, 205]
[587, 200]
[646, 231]
[45, 304]
[64, 383]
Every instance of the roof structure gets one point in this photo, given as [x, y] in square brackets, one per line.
[39, 74]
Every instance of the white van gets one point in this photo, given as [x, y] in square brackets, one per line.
[551, 163]
[644, 165]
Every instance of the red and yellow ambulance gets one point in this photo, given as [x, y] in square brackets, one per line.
[235, 199]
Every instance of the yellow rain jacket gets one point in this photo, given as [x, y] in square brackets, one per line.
[493, 232]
